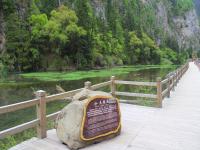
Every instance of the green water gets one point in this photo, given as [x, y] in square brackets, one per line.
[24, 89]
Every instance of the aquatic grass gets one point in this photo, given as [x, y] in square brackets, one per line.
[77, 75]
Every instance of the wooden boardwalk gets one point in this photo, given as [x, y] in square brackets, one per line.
[176, 126]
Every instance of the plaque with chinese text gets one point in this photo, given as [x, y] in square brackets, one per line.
[101, 118]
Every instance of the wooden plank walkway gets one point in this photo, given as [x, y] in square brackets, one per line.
[176, 126]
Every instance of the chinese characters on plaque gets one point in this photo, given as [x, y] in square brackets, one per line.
[101, 118]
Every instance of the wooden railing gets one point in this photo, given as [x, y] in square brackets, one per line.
[42, 99]
[197, 63]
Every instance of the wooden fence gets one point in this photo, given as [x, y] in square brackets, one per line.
[41, 100]
[197, 63]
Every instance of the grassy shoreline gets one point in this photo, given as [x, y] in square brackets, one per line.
[29, 79]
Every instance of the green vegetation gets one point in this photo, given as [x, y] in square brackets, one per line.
[143, 49]
[11, 141]
[77, 75]
[181, 6]
[42, 36]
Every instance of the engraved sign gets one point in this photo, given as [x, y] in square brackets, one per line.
[101, 118]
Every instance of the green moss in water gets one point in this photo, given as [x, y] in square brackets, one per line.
[77, 75]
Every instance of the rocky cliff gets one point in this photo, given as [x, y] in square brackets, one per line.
[187, 31]
[183, 28]
[2, 35]
[115, 32]
[197, 7]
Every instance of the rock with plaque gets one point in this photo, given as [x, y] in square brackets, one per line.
[89, 121]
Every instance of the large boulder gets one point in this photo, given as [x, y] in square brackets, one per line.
[91, 117]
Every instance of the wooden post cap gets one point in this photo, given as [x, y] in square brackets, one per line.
[40, 93]
[88, 84]
[112, 78]
[158, 79]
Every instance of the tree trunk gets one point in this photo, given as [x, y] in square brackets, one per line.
[2, 34]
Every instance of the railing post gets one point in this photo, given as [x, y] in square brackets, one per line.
[88, 85]
[112, 86]
[186, 68]
[178, 75]
[168, 86]
[41, 114]
[183, 70]
[173, 81]
[176, 78]
[159, 93]
[179, 71]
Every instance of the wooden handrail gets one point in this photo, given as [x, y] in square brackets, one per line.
[164, 93]
[53, 116]
[100, 85]
[18, 106]
[41, 100]
[135, 83]
[172, 80]
[165, 81]
[136, 95]
[62, 95]
[19, 128]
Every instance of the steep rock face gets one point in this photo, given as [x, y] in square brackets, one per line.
[163, 20]
[187, 30]
[2, 35]
[197, 7]
[184, 29]
[162, 17]
[99, 8]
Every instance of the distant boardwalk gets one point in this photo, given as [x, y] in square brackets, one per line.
[176, 126]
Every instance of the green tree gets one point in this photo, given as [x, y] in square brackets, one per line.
[135, 45]
[168, 56]
[151, 50]
[60, 31]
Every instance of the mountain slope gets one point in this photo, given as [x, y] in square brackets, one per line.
[63, 34]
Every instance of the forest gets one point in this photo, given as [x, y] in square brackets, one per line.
[42, 35]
